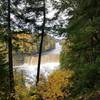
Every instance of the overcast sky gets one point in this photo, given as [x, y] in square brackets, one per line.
[50, 14]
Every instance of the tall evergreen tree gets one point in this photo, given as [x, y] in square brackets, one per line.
[41, 43]
[82, 49]
[10, 59]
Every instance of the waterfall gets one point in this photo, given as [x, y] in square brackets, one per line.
[49, 63]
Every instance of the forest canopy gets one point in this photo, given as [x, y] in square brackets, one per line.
[24, 25]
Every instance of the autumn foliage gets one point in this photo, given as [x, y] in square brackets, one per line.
[52, 88]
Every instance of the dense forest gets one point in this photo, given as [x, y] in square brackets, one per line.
[28, 44]
[24, 25]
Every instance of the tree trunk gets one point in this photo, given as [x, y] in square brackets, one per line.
[11, 77]
[41, 45]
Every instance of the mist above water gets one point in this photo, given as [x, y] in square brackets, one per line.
[49, 63]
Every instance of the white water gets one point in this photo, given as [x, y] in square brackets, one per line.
[50, 62]
[57, 49]
[31, 70]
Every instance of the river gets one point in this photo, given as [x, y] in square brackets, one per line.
[49, 63]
